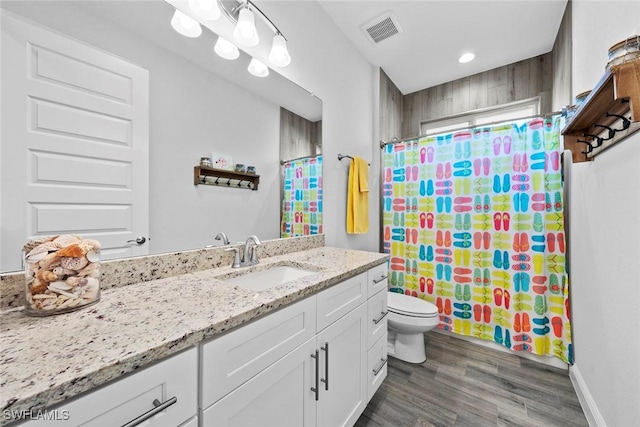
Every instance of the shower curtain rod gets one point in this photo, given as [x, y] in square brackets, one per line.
[282, 162]
[396, 140]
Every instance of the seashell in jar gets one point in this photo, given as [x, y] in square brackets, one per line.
[91, 270]
[38, 287]
[93, 287]
[93, 256]
[66, 240]
[50, 261]
[46, 276]
[61, 271]
[91, 244]
[40, 252]
[76, 281]
[74, 251]
[59, 286]
[74, 263]
[33, 243]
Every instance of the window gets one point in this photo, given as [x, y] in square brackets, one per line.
[494, 115]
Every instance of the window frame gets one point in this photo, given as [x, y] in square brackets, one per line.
[522, 109]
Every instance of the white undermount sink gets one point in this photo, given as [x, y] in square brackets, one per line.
[265, 279]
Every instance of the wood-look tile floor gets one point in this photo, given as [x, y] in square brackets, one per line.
[464, 384]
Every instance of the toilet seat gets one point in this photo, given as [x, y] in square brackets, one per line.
[406, 305]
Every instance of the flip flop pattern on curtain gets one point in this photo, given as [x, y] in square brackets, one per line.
[474, 224]
[302, 198]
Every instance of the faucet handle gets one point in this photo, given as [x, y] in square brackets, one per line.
[236, 257]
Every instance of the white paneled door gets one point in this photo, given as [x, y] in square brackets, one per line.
[75, 143]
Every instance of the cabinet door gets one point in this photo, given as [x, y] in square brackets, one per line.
[377, 279]
[340, 299]
[124, 400]
[230, 360]
[343, 361]
[279, 396]
[377, 317]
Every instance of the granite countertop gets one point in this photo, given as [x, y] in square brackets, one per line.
[44, 361]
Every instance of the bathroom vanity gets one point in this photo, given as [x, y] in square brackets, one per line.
[194, 349]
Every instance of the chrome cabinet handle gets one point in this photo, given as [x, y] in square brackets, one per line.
[316, 389]
[326, 366]
[375, 282]
[377, 370]
[382, 316]
[139, 240]
[159, 407]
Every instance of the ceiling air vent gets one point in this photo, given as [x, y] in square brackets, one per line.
[382, 27]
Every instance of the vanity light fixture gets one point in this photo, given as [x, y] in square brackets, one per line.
[258, 68]
[225, 49]
[205, 9]
[241, 13]
[185, 25]
[466, 57]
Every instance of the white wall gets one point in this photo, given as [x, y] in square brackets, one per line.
[605, 239]
[192, 113]
[326, 63]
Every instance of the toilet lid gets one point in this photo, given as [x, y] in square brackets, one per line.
[405, 304]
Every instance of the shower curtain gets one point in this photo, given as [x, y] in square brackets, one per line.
[474, 224]
[301, 213]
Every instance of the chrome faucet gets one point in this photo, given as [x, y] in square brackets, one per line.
[225, 239]
[251, 251]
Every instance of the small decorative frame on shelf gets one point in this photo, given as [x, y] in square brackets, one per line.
[608, 115]
[203, 175]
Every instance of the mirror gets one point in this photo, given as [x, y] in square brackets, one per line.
[198, 104]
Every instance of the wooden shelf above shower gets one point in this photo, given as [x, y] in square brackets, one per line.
[616, 94]
[203, 175]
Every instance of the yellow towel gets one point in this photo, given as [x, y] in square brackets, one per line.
[358, 197]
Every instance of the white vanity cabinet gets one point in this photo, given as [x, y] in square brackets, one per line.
[322, 381]
[171, 384]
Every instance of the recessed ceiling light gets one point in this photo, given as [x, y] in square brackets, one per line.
[466, 57]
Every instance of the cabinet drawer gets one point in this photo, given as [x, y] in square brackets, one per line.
[377, 366]
[377, 278]
[232, 359]
[126, 399]
[376, 317]
[338, 300]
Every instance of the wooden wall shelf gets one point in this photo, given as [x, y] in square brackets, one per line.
[614, 95]
[203, 175]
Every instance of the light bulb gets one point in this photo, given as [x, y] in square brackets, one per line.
[466, 57]
[185, 25]
[279, 55]
[258, 68]
[225, 49]
[206, 9]
[245, 31]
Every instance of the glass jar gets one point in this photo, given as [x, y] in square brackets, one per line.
[205, 161]
[62, 274]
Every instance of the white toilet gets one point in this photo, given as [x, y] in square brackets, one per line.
[409, 318]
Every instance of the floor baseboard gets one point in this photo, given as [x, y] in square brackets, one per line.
[589, 407]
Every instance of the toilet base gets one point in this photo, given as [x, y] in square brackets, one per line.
[407, 347]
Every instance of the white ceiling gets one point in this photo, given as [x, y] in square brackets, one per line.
[435, 33]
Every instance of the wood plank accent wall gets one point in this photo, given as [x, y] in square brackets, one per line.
[514, 82]
[299, 137]
[391, 106]
[562, 85]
